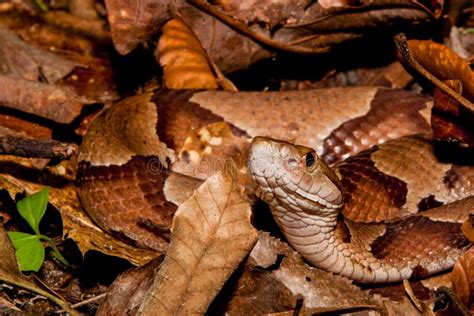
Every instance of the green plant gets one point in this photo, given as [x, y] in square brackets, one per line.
[29, 249]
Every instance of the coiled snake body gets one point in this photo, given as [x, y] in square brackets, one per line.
[306, 198]
[130, 157]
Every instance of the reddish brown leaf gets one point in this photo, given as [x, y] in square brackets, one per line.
[444, 64]
[20, 59]
[463, 279]
[11, 125]
[449, 119]
[133, 22]
[48, 101]
[183, 59]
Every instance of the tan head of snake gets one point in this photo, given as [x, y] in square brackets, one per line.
[306, 197]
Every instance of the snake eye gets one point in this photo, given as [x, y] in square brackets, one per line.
[310, 160]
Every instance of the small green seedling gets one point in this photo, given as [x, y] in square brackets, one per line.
[29, 248]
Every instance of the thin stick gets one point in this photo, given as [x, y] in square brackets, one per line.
[402, 46]
[245, 29]
[89, 300]
[35, 148]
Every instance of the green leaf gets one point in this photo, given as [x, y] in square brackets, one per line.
[29, 250]
[32, 208]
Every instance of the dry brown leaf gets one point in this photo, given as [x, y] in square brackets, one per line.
[468, 228]
[462, 278]
[211, 234]
[450, 121]
[178, 187]
[20, 59]
[9, 273]
[258, 290]
[183, 58]
[134, 21]
[129, 289]
[443, 63]
[49, 101]
[76, 224]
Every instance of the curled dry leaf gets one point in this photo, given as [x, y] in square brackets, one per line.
[76, 224]
[462, 278]
[183, 58]
[9, 273]
[444, 63]
[291, 279]
[211, 234]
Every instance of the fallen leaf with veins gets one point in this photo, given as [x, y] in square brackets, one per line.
[462, 278]
[211, 234]
[290, 280]
[184, 60]
[10, 274]
[76, 224]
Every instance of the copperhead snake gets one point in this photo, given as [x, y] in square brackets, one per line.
[134, 153]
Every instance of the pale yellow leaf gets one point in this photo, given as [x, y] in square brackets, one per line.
[211, 234]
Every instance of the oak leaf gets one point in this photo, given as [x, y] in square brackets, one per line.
[211, 234]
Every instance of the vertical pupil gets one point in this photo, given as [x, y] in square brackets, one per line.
[310, 159]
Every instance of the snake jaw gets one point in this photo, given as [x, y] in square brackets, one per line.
[287, 177]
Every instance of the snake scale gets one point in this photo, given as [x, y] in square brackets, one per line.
[386, 210]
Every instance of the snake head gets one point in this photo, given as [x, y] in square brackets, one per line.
[292, 177]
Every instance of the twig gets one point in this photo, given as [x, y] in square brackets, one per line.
[402, 46]
[89, 300]
[246, 30]
[84, 302]
[337, 11]
[35, 148]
